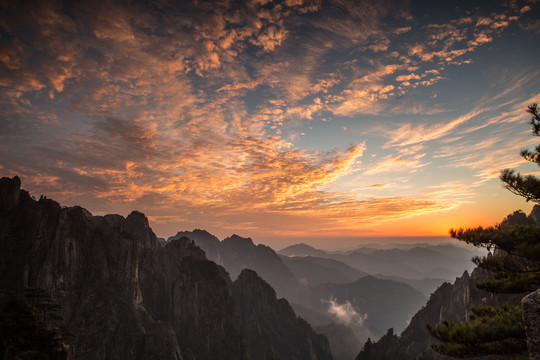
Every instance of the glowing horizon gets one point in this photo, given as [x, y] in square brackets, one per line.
[272, 120]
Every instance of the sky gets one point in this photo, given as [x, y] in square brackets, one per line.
[320, 121]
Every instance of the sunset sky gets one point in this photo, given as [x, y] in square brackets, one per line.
[282, 121]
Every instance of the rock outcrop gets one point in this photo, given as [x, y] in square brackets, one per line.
[123, 294]
[451, 302]
[531, 318]
[272, 329]
[236, 253]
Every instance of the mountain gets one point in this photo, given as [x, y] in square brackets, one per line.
[415, 261]
[346, 343]
[426, 286]
[311, 270]
[206, 241]
[451, 302]
[377, 264]
[236, 253]
[271, 328]
[369, 305]
[122, 294]
[302, 250]
[320, 287]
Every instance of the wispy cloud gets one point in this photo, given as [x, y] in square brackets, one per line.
[409, 134]
[345, 313]
[197, 108]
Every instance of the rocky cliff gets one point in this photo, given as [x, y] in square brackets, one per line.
[123, 295]
[272, 329]
[236, 253]
[451, 302]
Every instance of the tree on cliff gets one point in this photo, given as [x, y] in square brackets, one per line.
[27, 329]
[527, 186]
[514, 260]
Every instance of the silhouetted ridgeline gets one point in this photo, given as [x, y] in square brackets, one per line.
[125, 296]
[450, 302]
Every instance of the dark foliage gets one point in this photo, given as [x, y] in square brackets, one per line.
[514, 260]
[27, 326]
[527, 186]
[489, 330]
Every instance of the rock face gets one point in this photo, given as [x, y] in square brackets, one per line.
[272, 329]
[124, 295]
[236, 253]
[451, 302]
[206, 241]
[531, 317]
[345, 344]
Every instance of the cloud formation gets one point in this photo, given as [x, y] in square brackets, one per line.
[345, 313]
[195, 111]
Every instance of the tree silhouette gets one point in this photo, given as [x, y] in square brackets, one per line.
[28, 326]
[514, 261]
[527, 186]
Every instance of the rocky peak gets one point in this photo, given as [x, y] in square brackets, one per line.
[206, 241]
[10, 190]
[535, 214]
[451, 302]
[238, 241]
[265, 317]
[251, 283]
[125, 296]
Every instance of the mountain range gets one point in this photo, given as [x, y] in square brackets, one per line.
[124, 295]
[344, 303]
[124, 291]
[444, 261]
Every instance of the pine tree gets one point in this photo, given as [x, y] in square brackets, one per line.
[527, 186]
[514, 260]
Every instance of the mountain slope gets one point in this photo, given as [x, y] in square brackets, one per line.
[426, 286]
[451, 302]
[273, 331]
[206, 241]
[123, 294]
[387, 303]
[236, 253]
[312, 270]
[302, 250]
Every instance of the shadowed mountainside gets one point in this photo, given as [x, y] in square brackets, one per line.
[126, 296]
[236, 253]
[311, 270]
[451, 302]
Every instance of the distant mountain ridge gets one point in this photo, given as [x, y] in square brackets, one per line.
[450, 302]
[444, 261]
[236, 253]
[312, 270]
[302, 249]
[319, 288]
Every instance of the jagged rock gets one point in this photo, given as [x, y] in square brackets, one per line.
[384, 349]
[451, 302]
[343, 341]
[531, 318]
[124, 295]
[273, 331]
[10, 190]
[518, 217]
[535, 214]
[236, 253]
[206, 241]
